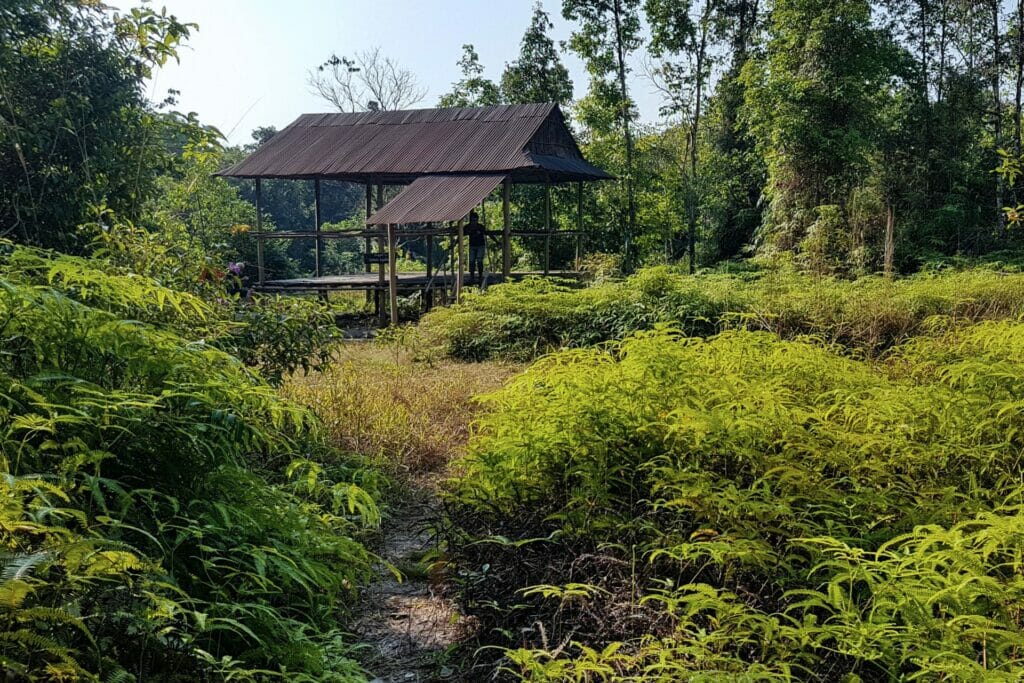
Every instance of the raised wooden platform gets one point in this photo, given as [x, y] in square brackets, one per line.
[406, 281]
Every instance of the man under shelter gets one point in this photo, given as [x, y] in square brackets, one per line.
[477, 247]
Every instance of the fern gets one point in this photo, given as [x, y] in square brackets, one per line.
[147, 527]
[745, 507]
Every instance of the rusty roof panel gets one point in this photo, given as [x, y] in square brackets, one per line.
[405, 144]
[436, 198]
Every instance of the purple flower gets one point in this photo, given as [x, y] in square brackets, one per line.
[236, 268]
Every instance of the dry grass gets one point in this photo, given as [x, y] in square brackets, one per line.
[411, 416]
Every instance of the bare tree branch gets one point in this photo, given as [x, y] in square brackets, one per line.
[367, 80]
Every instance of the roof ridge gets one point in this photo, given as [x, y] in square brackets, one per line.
[535, 110]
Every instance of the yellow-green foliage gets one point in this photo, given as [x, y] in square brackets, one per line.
[749, 508]
[523, 320]
[279, 335]
[165, 514]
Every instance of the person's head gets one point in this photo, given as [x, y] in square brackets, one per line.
[473, 218]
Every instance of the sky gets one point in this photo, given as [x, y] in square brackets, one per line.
[247, 64]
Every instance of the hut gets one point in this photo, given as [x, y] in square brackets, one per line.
[447, 160]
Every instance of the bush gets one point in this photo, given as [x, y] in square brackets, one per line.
[278, 335]
[750, 508]
[167, 515]
[523, 320]
[281, 335]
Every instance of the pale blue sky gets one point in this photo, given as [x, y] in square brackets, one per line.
[247, 64]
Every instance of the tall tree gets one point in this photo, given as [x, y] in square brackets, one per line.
[734, 174]
[367, 80]
[538, 74]
[473, 89]
[812, 102]
[608, 31]
[995, 72]
[77, 134]
[1017, 36]
[673, 35]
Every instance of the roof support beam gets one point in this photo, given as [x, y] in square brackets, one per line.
[367, 242]
[461, 264]
[506, 229]
[378, 301]
[547, 228]
[393, 275]
[260, 274]
[318, 220]
[579, 224]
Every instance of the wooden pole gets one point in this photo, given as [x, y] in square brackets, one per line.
[367, 243]
[506, 230]
[260, 274]
[889, 258]
[461, 266]
[378, 296]
[428, 292]
[579, 223]
[318, 220]
[392, 275]
[430, 256]
[547, 227]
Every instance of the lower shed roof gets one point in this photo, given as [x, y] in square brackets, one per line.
[437, 199]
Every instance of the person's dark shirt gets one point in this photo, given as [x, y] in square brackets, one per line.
[477, 237]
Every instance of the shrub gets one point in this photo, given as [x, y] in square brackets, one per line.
[523, 320]
[281, 335]
[166, 514]
[278, 335]
[745, 507]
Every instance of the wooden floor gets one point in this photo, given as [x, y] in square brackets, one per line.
[406, 281]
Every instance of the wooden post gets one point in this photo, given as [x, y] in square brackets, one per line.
[259, 232]
[506, 230]
[449, 267]
[889, 258]
[428, 291]
[430, 256]
[367, 244]
[547, 227]
[379, 293]
[393, 275]
[579, 224]
[461, 266]
[318, 220]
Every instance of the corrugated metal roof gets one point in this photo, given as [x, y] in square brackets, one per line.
[401, 145]
[436, 198]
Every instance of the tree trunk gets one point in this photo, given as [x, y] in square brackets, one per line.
[923, 47]
[1020, 78]
[626, 118]
[940, 78]
[997, 64]
[694, 133]
[888, 264]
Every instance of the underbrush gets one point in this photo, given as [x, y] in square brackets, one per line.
[278, 335]
[408, 416]
[750, 508]
[166, 514]
[520, 321]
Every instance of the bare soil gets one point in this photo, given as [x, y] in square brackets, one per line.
[410, 623]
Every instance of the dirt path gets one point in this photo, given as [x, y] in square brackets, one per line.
[409, 623]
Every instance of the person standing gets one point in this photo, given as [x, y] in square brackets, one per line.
[477, 247]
